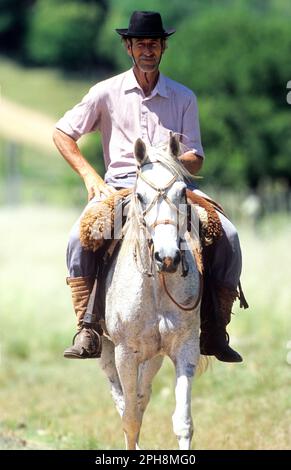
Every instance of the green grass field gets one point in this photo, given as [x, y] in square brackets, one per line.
[47, 402]
[45, 90]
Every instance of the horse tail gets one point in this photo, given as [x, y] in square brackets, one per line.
[203, 364]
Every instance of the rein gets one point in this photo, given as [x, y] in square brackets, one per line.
[183, 307]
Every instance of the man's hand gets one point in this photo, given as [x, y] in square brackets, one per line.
[69, 149]
[192, 162]
[96, 187]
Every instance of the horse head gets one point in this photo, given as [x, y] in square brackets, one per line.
[160, 194]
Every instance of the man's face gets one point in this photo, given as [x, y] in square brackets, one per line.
[147, 52]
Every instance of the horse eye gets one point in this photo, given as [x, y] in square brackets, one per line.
[139, 197]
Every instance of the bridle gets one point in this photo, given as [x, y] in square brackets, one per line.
[161, 194]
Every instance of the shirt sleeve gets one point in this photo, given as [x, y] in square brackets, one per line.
[191, 128]
[85, 117]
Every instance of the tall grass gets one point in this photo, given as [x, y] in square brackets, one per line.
[49, 402]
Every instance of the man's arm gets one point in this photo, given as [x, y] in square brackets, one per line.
[192, 162]
[69, 149]
[193, 159]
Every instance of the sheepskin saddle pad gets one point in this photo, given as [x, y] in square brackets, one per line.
[104, 220]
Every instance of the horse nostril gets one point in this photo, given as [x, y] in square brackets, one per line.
[157, 257]
[177, 258]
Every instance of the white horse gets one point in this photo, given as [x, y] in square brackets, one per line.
[151, 309]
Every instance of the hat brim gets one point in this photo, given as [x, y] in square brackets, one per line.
[164, 34]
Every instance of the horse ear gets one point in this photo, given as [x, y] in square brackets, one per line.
[140, 151]
[174, 145]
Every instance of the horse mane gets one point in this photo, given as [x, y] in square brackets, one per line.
[131, 229]
[161, 154]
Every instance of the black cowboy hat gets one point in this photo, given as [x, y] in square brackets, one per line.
[145, 24]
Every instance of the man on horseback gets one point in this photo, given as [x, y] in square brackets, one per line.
[142, 103]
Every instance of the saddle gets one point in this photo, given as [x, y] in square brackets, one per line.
[104, 221]
[101, 222]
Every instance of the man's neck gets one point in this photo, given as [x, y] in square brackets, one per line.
[146, 80]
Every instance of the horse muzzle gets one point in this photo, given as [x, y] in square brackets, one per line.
[168, 264]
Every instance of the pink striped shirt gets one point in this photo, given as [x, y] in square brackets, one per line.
[118, 108]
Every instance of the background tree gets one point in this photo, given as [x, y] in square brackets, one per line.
[13, 24]
[64, 33]
[237, 65]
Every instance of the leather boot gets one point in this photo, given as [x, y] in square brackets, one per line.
[215, 316]
[87, 341]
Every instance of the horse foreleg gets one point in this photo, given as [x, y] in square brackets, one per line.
[127, 366]
[185, 362]
[107, 362]
[147, 371]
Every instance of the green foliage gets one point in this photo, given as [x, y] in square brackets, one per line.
[13, 19]
[63, 33]
[237, 66]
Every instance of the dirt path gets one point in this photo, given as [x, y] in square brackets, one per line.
[26, 126]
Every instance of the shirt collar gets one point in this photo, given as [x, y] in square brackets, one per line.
[131, 84]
